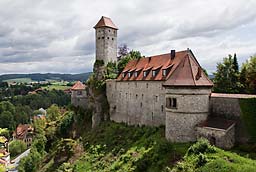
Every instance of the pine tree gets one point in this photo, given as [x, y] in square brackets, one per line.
[235, 64]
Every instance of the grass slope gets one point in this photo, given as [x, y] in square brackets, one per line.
[118, 147]
[202, 157]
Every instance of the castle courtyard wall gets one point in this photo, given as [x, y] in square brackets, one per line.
[229, 108]
[137, 102]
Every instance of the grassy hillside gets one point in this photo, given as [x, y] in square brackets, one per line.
[117, 148]
[202, 157]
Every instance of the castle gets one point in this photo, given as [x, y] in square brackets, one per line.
[169, 89]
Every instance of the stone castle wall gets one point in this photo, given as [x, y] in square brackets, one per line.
[229, 108]
[137, 102]
[106, 44]
[192, 108]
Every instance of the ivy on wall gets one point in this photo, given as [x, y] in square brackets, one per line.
[248, 108]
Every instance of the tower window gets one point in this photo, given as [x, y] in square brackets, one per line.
[108, 30]
[79, 93]
[171, 103]
[108, 37]
[162, 108]
[112, 38]
[103, 37]
[98, 37]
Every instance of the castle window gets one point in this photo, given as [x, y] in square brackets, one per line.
[171, 103]
[79, 92]
[164, 72]
[144, 73]
[153, 73]
[147, 85]
[103, 37]
[98, 37]
[162, 108]
[136, 74]
[142, 96]
[136, 96]
[108, 37]
[108, 30]
[156, 98]
[140, 104]
[112, 38]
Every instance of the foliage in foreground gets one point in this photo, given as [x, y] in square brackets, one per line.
[248, 108]
[118, 147]
[16, 147]
[202, 157]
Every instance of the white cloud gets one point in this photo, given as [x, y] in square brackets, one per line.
[58, 35]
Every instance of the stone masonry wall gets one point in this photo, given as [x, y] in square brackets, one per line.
[106, 44]
[192, 108]
[229, 108]
[223, 138]
[137, 102]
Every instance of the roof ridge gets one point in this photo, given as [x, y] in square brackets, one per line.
[193, 77]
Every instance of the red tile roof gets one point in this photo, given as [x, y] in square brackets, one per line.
[105, 22]
[78, 86]
[22, 130]
[182, 70]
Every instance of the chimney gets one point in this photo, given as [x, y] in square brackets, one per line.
[172, 54]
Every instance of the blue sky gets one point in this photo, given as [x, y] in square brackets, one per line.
[58, 35]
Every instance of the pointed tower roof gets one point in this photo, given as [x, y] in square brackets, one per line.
[78, 86]
[105, 22]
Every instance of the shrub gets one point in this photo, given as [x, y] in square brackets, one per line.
[16, 147]
[202, 146]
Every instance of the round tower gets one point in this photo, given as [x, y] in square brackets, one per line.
[106, 40]
[187, 93]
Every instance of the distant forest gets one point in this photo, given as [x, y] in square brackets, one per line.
[47, 76]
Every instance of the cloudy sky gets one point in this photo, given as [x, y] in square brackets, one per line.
[58, 35]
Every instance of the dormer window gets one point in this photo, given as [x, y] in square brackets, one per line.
[136, 74]
[145, 73]
[164, 72]
[129, 74]
[123, 74]
[153, 73]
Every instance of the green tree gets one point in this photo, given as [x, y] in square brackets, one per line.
[53, 113]
[6, 120]
[132, 55]
[22, 115]
[226, 78]
[4, 132]
[7, 106]
[16, 147]
[235, 64]
[248, 75]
